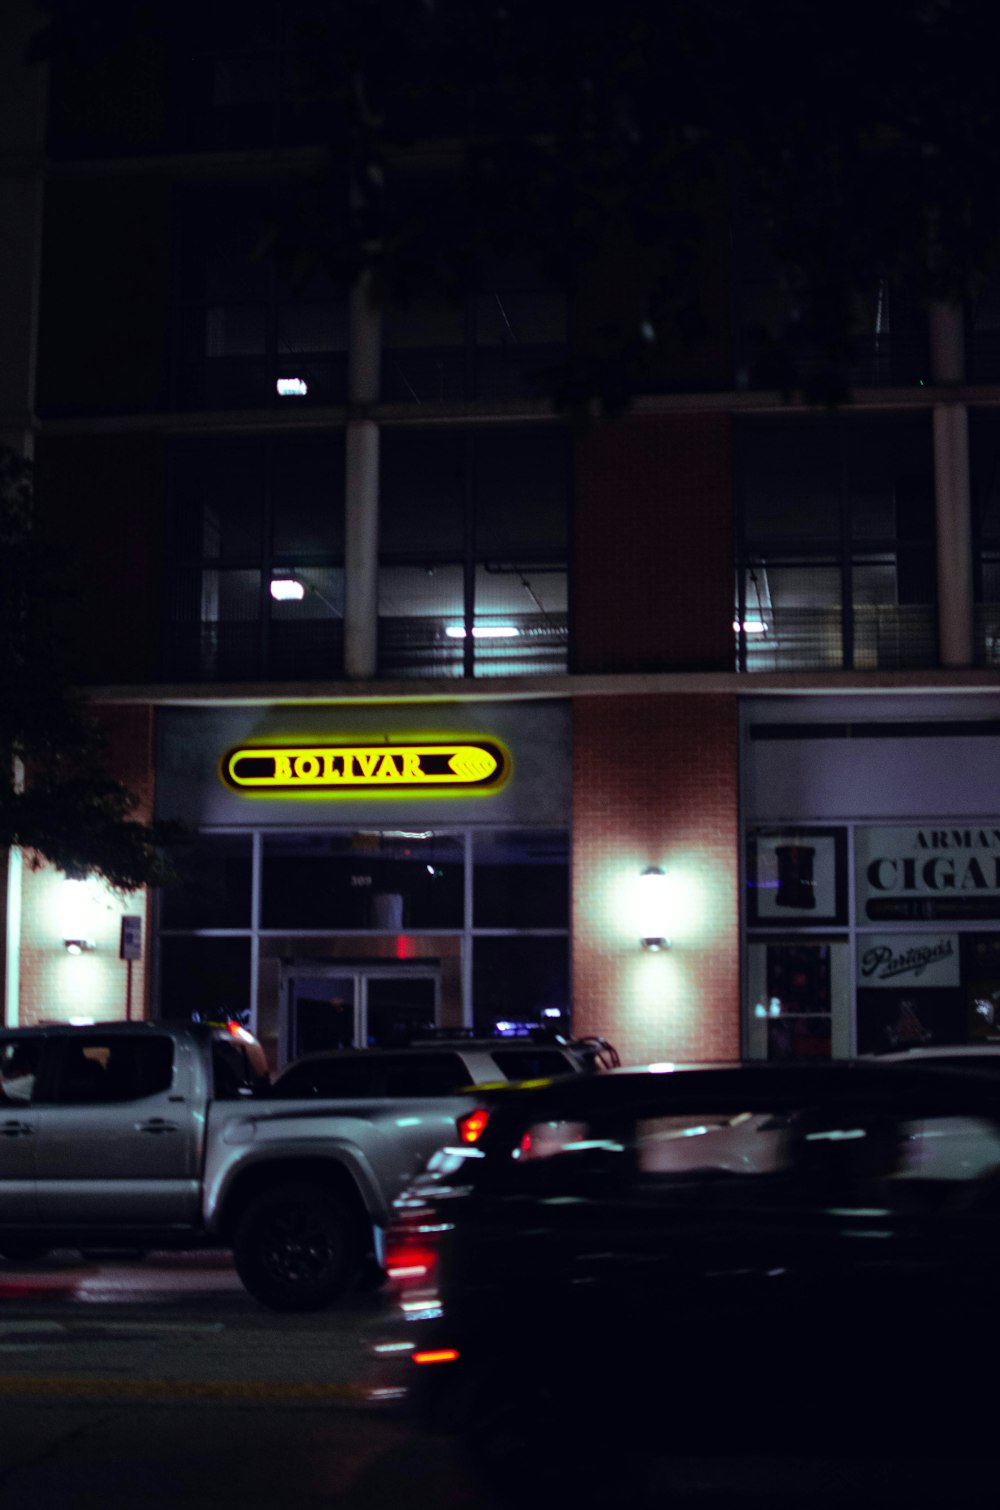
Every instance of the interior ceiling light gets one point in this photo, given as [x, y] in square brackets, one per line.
[287, 589]
[483, 632]
[292, 387]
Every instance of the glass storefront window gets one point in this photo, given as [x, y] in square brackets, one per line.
[799, 994]
[521, 879]
[521, 980]
[213, 883]
[362, 882]
[914, 963]
[207, 978]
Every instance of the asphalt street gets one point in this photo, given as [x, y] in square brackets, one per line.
[159, 1383]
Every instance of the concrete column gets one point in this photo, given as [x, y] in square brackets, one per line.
[952, 492]
[362, 487]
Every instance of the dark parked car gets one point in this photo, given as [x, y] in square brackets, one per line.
[608, 1268]
[440, 1065]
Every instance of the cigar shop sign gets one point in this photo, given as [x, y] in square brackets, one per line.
[928, 873]
[460, 766]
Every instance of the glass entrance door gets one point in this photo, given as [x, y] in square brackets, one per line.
[361, 1006]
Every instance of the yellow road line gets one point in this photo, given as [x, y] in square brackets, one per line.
[178, 1390]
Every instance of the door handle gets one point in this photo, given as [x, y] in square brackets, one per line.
[16, 1129]
[156, 1125]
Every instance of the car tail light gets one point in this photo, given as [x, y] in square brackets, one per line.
[436, 1355]
[472, 1126]
[410, 1260]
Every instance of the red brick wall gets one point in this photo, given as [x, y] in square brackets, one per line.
[653, 557]
[655, 783]
[129, 730]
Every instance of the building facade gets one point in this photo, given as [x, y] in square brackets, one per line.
[440, 680]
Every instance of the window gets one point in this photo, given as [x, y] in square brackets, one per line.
[836, 557]
[361, 882]
[258, 327]
[473, 561]
[97, 1069]
[245, 515]
[520, 979]
[521, 879]
[422, 900]
[329, 1077]
[425, 1075]
[531, 1064]
[232, 1072]
[204, 978]
[19, 1061]
[774, 338]
[212, 889]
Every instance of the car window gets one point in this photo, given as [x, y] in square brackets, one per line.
[531, 1064]
[19, 1060]
[329, 1078]
[232, 1070]
[425, 1074]
[850, 1151]
[94, 1069]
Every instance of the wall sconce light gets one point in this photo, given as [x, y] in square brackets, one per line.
[653, 909]
[76, 907]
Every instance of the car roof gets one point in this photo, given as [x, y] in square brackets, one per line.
[435, 1046]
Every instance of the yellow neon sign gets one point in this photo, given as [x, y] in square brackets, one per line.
[290, 770]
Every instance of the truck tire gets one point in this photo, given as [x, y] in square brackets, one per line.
[297, 1248]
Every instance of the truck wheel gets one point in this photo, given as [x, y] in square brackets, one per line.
[297, 1248]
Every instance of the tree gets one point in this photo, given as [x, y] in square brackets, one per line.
[57, 801]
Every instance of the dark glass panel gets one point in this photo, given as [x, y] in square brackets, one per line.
[522, 980]
[209, 977]
[362, 882]
[213, 883]
[521, 879]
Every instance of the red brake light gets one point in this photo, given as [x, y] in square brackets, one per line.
[410, 1261]
[472, 1126]
[436, 1355]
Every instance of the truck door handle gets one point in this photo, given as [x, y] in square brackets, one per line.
[156, 1125]
[16, 1129]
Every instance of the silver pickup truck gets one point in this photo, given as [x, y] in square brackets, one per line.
[158, 1135]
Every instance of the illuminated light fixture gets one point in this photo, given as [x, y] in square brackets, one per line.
[750, 626]
[76, 905]
[484, 632]
[652, 909]
[436, 1355]
[287, 590]
[292, 387]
